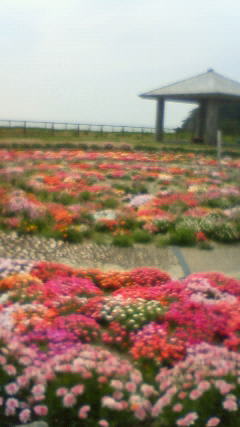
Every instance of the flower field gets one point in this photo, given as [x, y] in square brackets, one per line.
[135, 348]
[120, 197]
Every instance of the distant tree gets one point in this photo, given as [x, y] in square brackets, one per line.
[229, 119]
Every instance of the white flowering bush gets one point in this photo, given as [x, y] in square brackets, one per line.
[131, 313]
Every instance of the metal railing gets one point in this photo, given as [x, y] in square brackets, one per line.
[77, 128]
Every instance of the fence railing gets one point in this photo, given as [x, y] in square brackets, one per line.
[77, 128]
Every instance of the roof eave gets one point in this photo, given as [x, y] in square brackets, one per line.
[192, 97]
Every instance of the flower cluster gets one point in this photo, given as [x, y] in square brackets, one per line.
[155, 351]
[73, 194]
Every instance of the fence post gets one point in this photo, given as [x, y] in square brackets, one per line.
[53, 130]
[123, 130]
[78, 130]
[25, 127]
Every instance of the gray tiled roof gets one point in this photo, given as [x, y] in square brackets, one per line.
[200, 86]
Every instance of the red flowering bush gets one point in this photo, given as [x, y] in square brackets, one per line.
[116, 335]
[48, 270]
[154, 343]
[147, 276]
[196, 322]
[166, 293]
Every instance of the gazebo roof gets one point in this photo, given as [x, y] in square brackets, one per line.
[206, 85]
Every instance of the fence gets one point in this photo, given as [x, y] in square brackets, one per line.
[76, 128]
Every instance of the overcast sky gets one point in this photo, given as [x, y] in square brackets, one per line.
[88, 60]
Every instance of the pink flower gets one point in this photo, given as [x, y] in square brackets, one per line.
[147, 390]
[102, 379]
[41, 410]
[188, 420]
[131, 387]
[10, 369]
[204, 385]
[38, 389]
[117, 384]
[178, 407]
[109, 402]
[103, 423]
[2, 360]
[10, 411]
[117, 395]
[12, 403]
[22, 380]
[83, 412]
[223, 386]
[69, 400]
[140, 414]
[39, 397]
[77, 389]
[61, 391]
[25, 415]
[195, 394]
[230, 404]
[212, 422]
[12, 388]
[182, 395]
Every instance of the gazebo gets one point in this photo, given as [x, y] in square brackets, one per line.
[209, 90]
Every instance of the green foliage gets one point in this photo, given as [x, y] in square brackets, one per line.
[220, 202]
[142, 236]
[183, 236]
[110, 203]
[122, 240]
[163, 225]
[74, 236]
[85, 196]
[225, 232]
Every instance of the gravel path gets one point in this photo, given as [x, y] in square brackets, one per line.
[88, 255]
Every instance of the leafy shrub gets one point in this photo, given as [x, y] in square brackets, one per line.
[110, 203]
[122, 240]
[183, 236]
[225, 232]
[142, 236]
[74, 236]
[85, 196]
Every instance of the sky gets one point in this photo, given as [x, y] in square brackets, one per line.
[87, 61]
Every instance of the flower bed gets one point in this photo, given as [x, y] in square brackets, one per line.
[91, 348]
[120, 197]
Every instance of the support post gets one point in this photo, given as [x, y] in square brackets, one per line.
[201, 119]
[160, 119]
[211, 123]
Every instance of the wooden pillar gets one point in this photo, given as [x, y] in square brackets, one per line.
[211, 122]
[160, 119]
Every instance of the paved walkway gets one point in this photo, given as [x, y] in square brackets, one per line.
[223, 258]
